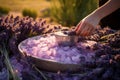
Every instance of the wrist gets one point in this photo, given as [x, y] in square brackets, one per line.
[96, 15]
[93, 18]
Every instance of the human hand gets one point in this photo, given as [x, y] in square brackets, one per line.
[87, 26]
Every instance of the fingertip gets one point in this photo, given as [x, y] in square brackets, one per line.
[77, 27]
[98, 27]
[91, 31]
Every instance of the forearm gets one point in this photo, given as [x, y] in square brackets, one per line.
[106, 9]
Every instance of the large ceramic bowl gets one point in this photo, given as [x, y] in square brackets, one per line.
[46, 64]
[53, 65]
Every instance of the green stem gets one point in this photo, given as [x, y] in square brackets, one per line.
[8, 64]
[40, 72]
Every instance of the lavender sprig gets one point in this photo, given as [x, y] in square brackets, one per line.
[7, 63]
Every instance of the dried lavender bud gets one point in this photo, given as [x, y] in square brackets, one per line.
[13, 45]
[96, 47]
[4, 74]
[100, 52]
[80, 39]
[65, 32]
[7, 19]
[105, 57]
[117, 57]
[49, 31]
[115, 42]
[82, 59]
[4, 36]
[59, 27]
[88, 47]
[102, 63]
[71, 33]
[47, 26]
[16, 18]
[55, 27]
[108, 74]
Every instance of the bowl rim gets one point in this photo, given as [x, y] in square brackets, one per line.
[27, 54]
[53, 65]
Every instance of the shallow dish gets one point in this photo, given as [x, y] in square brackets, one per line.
[46, 64]
[49, 64]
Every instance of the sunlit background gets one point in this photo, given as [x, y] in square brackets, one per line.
[64, 12]
[16, 7]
